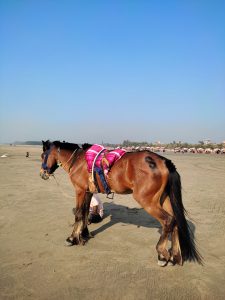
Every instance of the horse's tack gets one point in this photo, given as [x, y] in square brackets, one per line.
[60, 188]
[104, 161]
[91, 184]
[96, 155]
[73, 160]
[93, 164]
[99, 161]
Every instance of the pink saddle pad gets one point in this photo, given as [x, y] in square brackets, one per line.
[96, 152]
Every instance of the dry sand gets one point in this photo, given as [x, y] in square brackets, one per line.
[120, 261]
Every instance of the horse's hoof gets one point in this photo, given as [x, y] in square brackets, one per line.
[171, 263]
[69, 242]
[178, 260]
[162, 262]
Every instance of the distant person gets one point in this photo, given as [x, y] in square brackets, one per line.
[96, 210]
[28, 154]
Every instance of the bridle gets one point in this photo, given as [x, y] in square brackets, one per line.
[71, 158]
[44, 165]
[51, 170]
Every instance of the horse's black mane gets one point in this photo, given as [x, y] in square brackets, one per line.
[86, 146]
[66, 145]
[71, 146]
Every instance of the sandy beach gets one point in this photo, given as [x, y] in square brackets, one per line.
[120, 262]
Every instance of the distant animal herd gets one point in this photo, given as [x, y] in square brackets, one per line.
[179, 150]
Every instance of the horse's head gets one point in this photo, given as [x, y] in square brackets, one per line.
[49, 160]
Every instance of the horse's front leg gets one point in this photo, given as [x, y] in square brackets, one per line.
[80, 232]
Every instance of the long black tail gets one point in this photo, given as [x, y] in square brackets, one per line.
[186, 237]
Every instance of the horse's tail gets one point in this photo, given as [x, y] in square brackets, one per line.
[186, 237]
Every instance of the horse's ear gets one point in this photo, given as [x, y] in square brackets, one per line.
[46, 145]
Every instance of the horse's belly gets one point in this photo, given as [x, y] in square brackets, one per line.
[122, 191]
[119, 185]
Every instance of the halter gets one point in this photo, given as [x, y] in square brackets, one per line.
[58, 164]
[44, 164]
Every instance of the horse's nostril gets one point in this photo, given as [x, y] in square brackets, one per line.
[44, 175]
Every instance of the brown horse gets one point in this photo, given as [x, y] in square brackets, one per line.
[155, 185]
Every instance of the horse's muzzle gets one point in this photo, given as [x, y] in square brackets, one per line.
[44, 175]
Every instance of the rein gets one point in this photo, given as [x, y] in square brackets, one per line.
[60, 188]
[51, 170]
[60, 164]
[64, 166]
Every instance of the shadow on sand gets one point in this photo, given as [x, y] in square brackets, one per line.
[135, 216]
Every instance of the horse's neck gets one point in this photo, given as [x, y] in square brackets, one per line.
[65, 157]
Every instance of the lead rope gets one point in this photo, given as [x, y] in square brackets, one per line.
[63, 166]
[60, 188]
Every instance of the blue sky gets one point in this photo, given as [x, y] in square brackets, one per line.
[93, 71]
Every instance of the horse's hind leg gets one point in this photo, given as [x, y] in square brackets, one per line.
[167, 222]
[80, 232]
[175, 251]
[164, 256]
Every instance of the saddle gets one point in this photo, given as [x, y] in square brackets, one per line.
[99, 162]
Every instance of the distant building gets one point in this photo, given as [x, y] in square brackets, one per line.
[207, 142]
